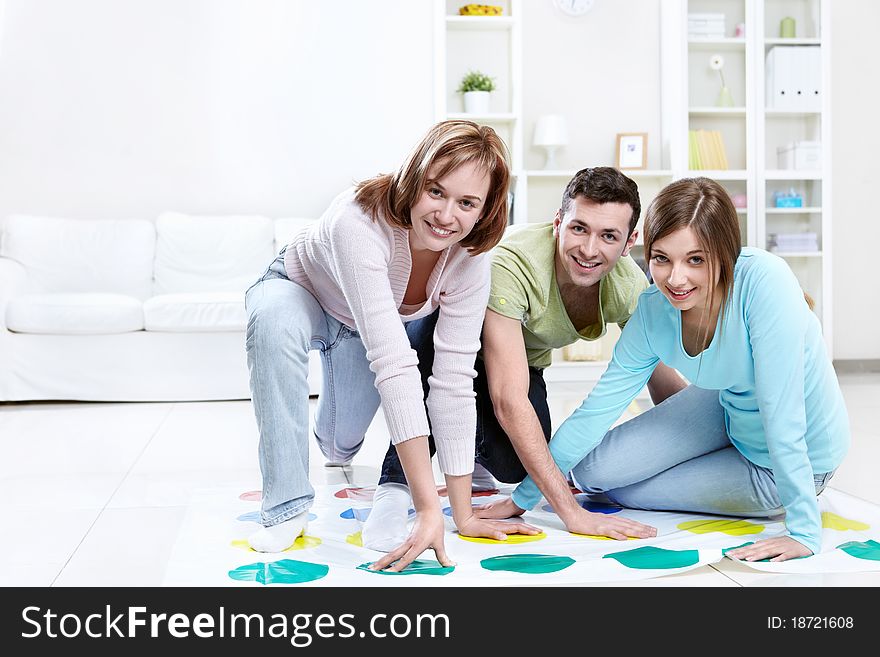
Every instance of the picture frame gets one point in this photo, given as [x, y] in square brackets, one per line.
[632, 150]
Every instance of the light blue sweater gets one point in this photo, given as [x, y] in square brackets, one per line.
[782, 403]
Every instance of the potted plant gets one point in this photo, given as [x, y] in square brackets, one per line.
[476, 87]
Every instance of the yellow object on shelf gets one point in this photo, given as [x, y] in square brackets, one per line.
[480, 10]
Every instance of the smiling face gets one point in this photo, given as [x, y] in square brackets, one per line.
[448, 208]
[680, 269]
[590, 239]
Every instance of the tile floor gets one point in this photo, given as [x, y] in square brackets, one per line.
[95, 494]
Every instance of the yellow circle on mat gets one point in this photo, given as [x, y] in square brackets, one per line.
[302, 543]
[602, 538]
[511, 539]
[355, 539]
[834, 521]
[729, 527]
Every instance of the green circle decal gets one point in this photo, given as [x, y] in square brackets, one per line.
[653, 557]
[417, 567]
[869, 550]
[284, 571]
[531, 564]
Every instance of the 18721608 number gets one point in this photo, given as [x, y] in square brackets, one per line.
[820, 622]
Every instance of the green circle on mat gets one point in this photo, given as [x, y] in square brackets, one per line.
[417, 567]
[531, 564]
[284, 571]
[654, 557]
[869, 550]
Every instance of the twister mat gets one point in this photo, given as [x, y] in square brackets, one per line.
[211, 549]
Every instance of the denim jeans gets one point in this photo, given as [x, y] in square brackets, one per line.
[494, 450]
[677, 456]
[285, 322]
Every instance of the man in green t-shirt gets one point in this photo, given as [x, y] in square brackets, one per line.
[552, 285]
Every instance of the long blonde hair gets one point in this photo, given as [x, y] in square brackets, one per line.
[450, 144]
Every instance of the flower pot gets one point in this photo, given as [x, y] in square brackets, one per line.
[476, 102]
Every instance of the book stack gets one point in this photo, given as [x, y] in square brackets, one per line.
[792, 242]
[706, 26]
[706, 150]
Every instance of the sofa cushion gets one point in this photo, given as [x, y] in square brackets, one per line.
[74, 314]
[82, 255]
[210, 254]
[287, 228]
[205, 311]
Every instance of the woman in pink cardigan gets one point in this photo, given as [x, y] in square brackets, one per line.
[390, 252]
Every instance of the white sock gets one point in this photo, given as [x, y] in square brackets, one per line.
[482, 479]
[278, 538]
[385, 528]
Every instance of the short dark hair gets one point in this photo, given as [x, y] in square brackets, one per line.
[603, 185]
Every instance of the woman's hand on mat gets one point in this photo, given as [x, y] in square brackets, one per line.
[602, 524]
[500, 510]
[781, 548]
[427, 533]
[498, 529]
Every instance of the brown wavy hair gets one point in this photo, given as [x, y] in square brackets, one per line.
[704, 206]
[449, 144]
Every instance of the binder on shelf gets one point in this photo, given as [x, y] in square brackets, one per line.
[794, 78]
[706, 150]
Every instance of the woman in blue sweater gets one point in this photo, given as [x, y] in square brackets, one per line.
[763, 426]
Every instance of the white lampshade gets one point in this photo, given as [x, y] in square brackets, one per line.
[550, 133]
[550, 130]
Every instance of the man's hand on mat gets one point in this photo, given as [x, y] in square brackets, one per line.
[781, 548]
[498, 529]
[498, 510]
[427, 533]
[602, 524]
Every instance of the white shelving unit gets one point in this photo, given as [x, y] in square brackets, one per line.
[492, 45]
[689, 88]
[752, 130]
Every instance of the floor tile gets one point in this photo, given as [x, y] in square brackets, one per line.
[126, 547]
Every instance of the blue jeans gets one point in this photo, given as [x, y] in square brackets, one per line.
[285, 322]
[677, 456]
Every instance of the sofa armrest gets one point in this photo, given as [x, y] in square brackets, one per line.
[12, 283]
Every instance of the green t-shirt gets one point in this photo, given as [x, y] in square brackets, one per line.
[524, 288]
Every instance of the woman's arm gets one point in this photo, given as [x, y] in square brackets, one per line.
[776, 315]
[631, 366]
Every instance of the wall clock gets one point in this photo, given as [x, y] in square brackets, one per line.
[573, 8]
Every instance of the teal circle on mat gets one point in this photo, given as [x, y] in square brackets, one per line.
[653, 557]
[531, 564]
[417, 567]
[869, 550]
[284, 571]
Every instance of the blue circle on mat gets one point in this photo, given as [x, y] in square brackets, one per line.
[595, 507]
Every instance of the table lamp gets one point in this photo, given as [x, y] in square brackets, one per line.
[550, 133]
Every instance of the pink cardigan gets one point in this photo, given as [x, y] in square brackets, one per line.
[358, 270]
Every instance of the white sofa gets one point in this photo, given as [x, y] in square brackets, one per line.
[131, 310]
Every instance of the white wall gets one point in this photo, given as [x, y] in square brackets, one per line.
[602, 72]
[855, 99]
[127, 108]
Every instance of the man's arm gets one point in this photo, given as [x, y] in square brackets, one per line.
[664, 383]
[507, 374]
